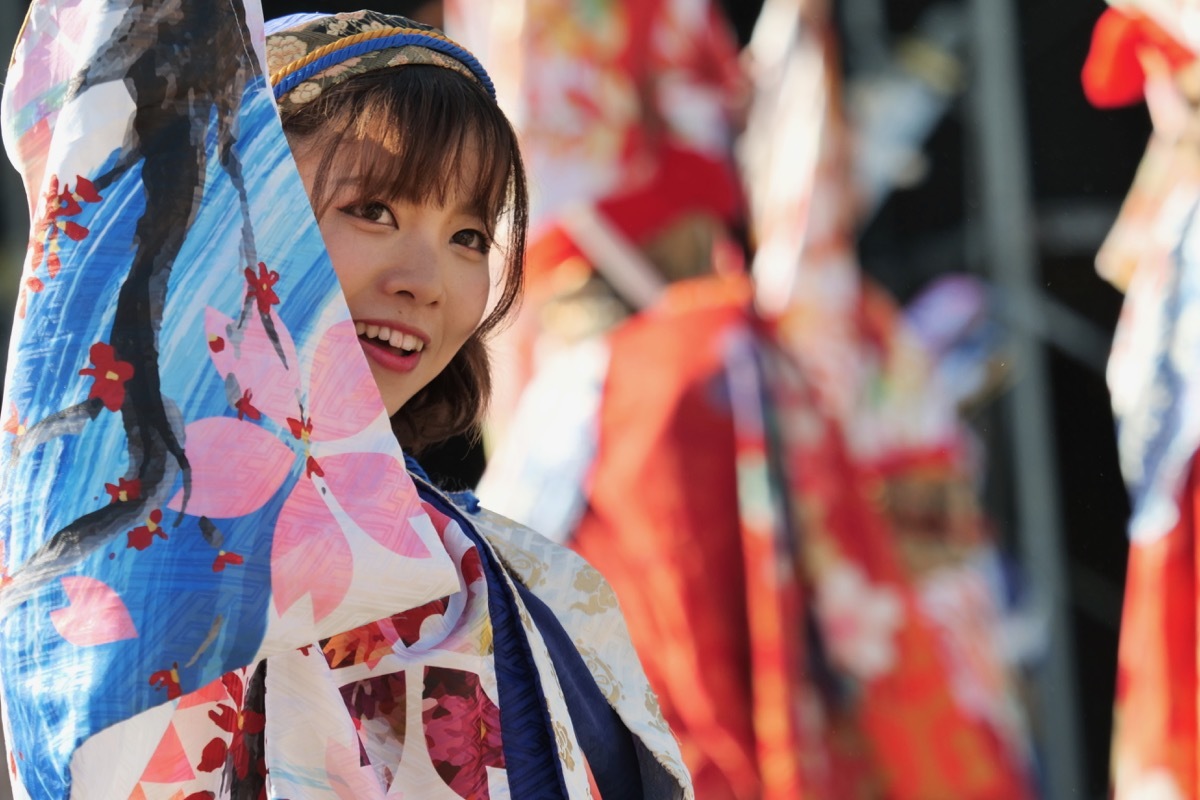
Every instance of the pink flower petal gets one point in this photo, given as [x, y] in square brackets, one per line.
[309, 554]
[169, 764]
[213, 692]
[95, 614]
[377, 493]
[275, 389]
[343, 398]
[225, 486]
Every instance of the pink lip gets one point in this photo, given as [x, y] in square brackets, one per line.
[385, 356]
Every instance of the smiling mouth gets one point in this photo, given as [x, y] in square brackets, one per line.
[398, 342]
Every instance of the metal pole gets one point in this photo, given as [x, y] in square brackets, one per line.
[1008, 236]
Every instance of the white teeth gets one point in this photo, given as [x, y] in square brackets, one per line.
[406, 341]
[397, 339]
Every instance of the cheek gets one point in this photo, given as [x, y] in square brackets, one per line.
[470, 303]
[339, 249]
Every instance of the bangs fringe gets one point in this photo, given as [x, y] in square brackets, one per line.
[433, 123]
[409, 128]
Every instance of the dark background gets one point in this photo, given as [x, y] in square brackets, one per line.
[1082, 162]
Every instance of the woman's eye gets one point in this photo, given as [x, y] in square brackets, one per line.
[372, 212]
[476, 240]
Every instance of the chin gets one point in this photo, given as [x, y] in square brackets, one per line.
[394, 407]
[393, 397]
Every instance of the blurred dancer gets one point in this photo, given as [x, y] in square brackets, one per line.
[909, 457]
[1146, 49]
[698, 464]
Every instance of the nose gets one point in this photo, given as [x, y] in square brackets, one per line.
[415, 269]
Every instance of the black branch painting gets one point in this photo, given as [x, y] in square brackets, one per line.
[186, 68]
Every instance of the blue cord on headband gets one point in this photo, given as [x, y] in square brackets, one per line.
[382, 43]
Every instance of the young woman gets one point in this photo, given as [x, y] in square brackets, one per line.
[217, 576]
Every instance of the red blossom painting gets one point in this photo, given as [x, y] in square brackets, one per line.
[124, 490]
[261, 287]
[168, 679]
[110, 375]
[143, 536]
[58, 204]
[235, 719]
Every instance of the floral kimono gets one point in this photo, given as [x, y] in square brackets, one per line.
[219, 578]
[792, 653]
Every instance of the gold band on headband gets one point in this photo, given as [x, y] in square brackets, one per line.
[320, 51]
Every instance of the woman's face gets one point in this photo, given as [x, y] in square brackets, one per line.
[415, 276]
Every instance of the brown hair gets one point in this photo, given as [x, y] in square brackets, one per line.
[428, 119]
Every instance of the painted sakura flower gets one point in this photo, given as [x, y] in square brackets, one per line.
[124, 490]
[167, 679]
[310, 554]
[859, 620]
[110, 374]
[262, 287]
[142, 536]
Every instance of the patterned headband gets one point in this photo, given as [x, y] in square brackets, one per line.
[309, 53]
